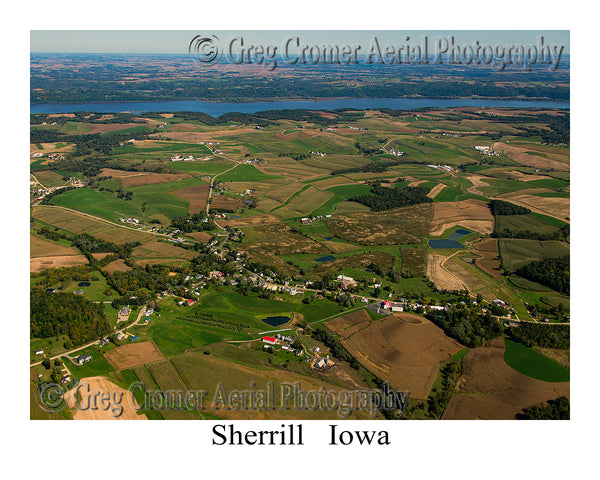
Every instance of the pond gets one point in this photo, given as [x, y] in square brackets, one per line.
[444, 243]
[326, 258]
[276, 320]
[458, 234]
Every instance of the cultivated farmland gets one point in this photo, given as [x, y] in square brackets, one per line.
[404, 225]
[404, 349]
[490, 389]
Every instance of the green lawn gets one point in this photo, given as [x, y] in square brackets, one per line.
[533, 364]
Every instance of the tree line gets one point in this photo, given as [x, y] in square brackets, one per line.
[500, 207]
[552, 335]
[468, 326]
[551, 272]
[561, 234]
[557, 409]
[384, 198]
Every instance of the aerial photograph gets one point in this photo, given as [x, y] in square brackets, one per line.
[299, 225]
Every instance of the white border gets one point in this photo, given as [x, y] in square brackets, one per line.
[167, 449]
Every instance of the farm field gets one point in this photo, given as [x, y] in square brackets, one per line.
[517, 223]
[490, 389]
[133, 355]
[203, 372]
[517, 252]
[534, 364]
[470, 214]
[77, 223]
[102, 384]
[161, 250]
[400, 226]
[273, 234]
[403, 349]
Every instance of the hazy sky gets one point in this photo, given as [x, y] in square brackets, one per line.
[169, 41]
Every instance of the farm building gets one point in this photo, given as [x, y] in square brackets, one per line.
[81, 359]
[78, 292]
[322, 363]
[269, 340]
[39, 352]
[436, 307]
[135, 337]
[149, 311]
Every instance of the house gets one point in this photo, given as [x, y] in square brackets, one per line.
[269, 340]
[321, 363]
[149, 311]
[120, 336]
[81, 359]
[125, 311]
[78, 292]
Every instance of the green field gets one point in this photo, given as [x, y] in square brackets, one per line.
[525, 284]
[517, 252]
[349, 191]
[245, 173]
[209, 167]
[533, 364]
[106, 204]
[529, 223]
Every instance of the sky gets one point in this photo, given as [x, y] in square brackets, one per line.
[170, 41]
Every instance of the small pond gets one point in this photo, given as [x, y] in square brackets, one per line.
[458, 234]
[276, 320]
[326, 258]
[445, 243]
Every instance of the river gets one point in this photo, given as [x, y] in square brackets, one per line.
[216, 109]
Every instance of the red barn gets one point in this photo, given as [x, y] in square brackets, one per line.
[269, 340]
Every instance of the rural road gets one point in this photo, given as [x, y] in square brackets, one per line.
[95, 342]
[212, 180]
[38, 182]
[100, 219]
